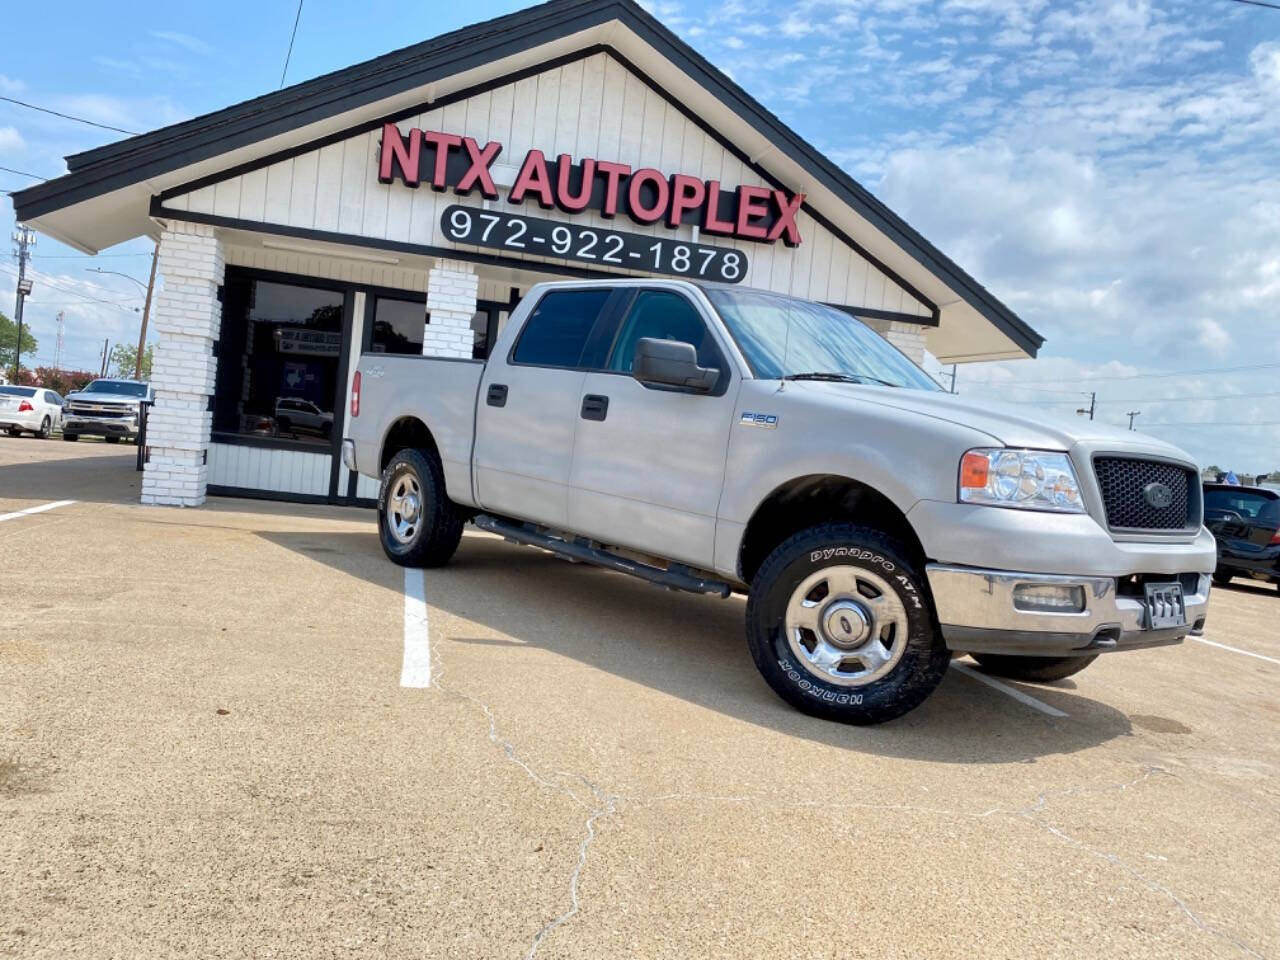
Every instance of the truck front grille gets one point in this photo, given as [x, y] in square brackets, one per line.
[1125, 483]
[97, 410]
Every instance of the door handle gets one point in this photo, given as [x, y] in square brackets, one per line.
[594, 407]
[497, 396]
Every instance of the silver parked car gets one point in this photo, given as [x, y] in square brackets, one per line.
[32, 410]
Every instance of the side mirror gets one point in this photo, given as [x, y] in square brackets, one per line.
[671, 363]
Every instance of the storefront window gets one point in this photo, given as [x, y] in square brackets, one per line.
[278, 360]
[397, 326]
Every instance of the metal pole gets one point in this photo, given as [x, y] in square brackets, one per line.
[24, 238]
[953, 378]
[1093, 403]
[105, 342]
[1131, 415]
[146, 313]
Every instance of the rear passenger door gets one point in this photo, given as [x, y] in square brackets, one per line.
[648, 464]
[527, 411]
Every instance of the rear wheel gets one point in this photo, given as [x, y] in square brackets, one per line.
[840, 625]
[1032, 669]
[418, 524]
[45, 429]
[15, 432]
[1222, 577]
[111, 439]
[70, 437]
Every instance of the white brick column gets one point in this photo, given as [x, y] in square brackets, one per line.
[187, 321]
[907, 337]
[451, 301]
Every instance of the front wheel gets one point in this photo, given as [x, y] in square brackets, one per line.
[112, 438]
[840, 624]
[1222, 577]
[70, 437]
[1032, 669]
[418, 524]
[46, 428]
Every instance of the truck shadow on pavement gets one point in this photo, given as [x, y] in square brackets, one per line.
[692, 647]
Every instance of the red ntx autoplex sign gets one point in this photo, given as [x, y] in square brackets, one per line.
[446, 160]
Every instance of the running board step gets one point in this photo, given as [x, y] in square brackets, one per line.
[675, 577]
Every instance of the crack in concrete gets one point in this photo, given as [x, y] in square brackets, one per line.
[604, 805]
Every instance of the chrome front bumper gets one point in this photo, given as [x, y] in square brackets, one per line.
[978, 615]
[100, 426]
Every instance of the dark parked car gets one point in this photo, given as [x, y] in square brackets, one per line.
[1246, 523]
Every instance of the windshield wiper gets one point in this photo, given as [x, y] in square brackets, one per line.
[840, 378]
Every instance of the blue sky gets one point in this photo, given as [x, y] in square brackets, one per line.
[1109, 168]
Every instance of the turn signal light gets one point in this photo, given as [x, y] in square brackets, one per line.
[25, 407]
[975, 470]
[355, 395]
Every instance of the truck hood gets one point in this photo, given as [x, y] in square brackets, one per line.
[1011, 425]
[98, 397]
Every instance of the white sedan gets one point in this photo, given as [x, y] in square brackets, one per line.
[34, 410]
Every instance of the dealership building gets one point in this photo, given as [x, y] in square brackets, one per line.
[404, 205]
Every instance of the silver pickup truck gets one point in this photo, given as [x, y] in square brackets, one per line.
[727, 440]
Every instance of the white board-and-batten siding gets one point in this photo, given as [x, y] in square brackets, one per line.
[592, 107]
[268, 469]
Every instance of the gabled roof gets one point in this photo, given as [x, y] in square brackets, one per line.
[132, 161]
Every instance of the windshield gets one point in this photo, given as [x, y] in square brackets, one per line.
[784, 337]
[17, 391]
[126, 387]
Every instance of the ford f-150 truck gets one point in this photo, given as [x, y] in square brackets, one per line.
[720, 440]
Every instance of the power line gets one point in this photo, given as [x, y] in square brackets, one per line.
[1259, 3]
[23, 173]
[289, 55]
[67, 116]
[1213, 423]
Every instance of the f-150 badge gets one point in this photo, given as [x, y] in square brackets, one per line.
[767, 420]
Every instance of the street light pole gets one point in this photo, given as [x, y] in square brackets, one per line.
[146, 307]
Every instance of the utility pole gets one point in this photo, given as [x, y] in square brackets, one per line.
[953, 378]
[57, 348]
[146, 312]
[1131, 414]
[105, 342]
[25, 238]
[1093, 403]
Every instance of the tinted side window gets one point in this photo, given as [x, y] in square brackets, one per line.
[661, 315]
[557, 331]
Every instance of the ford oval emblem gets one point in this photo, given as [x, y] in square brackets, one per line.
[1157, 495]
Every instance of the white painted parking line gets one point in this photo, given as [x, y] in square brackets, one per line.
[1247, 653]
[415, 670]
[1004, 688]
[30, 510]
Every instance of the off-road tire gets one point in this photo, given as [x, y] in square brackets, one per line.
[70, 437]
[922, 663]
[46, 428]
[1032, 669]
[1222, 578]
[439, 531]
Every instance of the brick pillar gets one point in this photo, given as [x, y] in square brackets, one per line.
[187, 320]
[907, 337]
[451, 302]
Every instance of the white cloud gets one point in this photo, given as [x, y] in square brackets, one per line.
[11, 140]
[183, 40]
[10, 85]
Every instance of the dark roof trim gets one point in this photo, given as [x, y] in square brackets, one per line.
[96, 172]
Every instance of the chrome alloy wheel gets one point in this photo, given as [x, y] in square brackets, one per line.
[404, 508]
[846, 625]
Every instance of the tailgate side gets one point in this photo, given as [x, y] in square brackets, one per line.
[440, 392]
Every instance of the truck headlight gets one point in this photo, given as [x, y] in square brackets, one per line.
[1027, 479]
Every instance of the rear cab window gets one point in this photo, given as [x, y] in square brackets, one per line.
[559, 331]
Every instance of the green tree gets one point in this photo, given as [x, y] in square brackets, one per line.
[124, 358]
[8, 338]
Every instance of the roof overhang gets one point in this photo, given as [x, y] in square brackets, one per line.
[106, 197]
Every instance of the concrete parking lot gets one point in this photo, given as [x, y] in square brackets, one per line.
[206, 749]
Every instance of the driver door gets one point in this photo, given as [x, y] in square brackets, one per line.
[648, 461]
